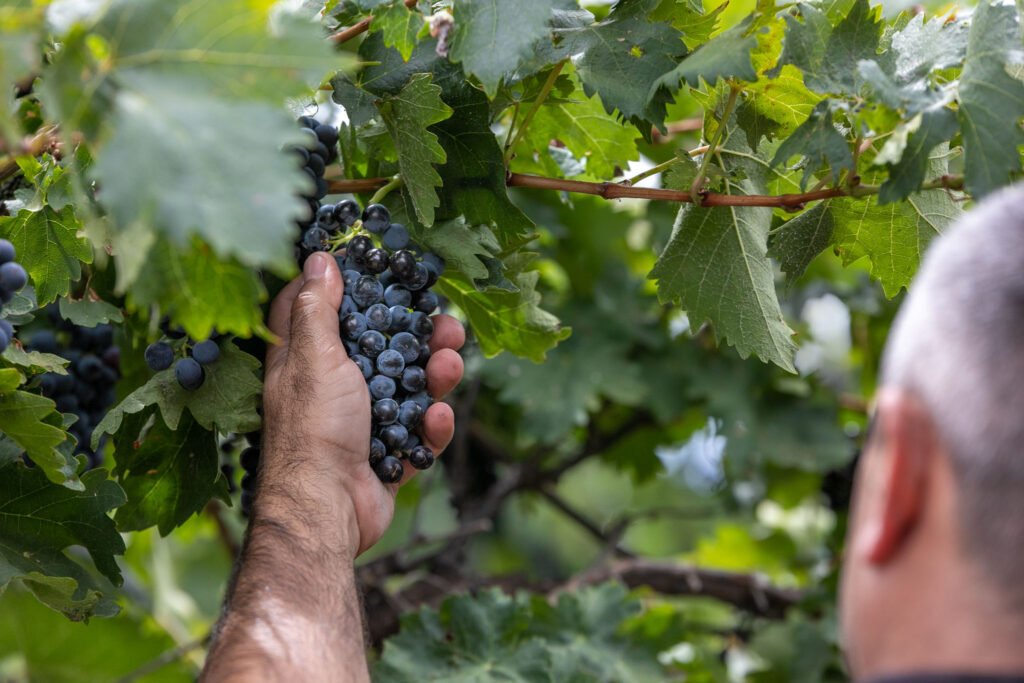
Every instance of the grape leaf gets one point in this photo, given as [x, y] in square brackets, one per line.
[817, 140]
[828, 56]
[399, 26]
[227, 400]
[802, 238]
[492, 36]
[895, 236]
[782, 99]
[36, 361]
[37, 514]
[359, 104]
[167, 477]
[180, 283]
[407, 117]
[622, 57]
[10, 379]
[991, 100]
[462, 246]
[205, 145]
[716, 267]
[28, 420]
[88, 313]
[936, 127]
[587, 131]
[510, 321]
[49, 247]
[690, 18]
[727, 55]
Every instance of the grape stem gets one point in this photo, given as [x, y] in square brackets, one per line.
[393, 184]
[354, 30]
[698, 183]
[609, 190]
[543, 95]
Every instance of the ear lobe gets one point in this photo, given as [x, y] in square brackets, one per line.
[904, 449]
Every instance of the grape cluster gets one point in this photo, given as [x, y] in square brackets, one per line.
[12, 278]
[250, 461]
[188, 370]
[87, 391]
[318, 149]
[385, 323]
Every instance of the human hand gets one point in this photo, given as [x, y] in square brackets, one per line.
[316, 411]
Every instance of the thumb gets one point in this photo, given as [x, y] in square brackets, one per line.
[314, 320]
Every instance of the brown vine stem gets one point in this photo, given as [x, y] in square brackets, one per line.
[354, 30]
[31, 146]
[608, 190]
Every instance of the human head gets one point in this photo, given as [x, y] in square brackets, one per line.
[936, 541]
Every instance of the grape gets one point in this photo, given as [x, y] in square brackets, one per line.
[348, 305]
[12, 277]
[402, 263]
[376, 261]
[412, 442]
[308, 122]
[372, 343]
[159, 356]
[321, 188]
[7, 252]
[401, 318]
[377, 450]
[347, 212]
[309, 139]
[367, 291]
[425, 302]
[434, 262]
[394, 436]
[206, 352]
[397, 295]
[390, 363]
[378, 317]
[421, 457]
[6, 334]
[422, 326]
[325, 218]
[358, 246]
[406, 345]
[382, 387]
[365, 365]
[424, 353]
[327, 134]
[250, 459]
[350, 278]
[316, 163]
[423, 398]
[389, 470]
[385, 411]
[376, 218]
[90, 368]
[315, 239]
[414, 379]
[417, 278]
[189, 374]
[353, 326]
[410, 414]
[45, 341]
[395, 237]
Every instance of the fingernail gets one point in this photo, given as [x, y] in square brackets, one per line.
[316, 266]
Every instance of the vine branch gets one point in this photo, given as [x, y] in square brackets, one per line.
[543, 95]
[354, 30]
[609, 190]
[698, 182]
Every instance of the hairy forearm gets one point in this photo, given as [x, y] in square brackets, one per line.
[293, 611]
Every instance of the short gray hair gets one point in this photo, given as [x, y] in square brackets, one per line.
[958, 345]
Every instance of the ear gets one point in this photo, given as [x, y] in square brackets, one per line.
[901, 453]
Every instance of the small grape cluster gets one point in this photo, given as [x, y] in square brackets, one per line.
[87, 391]
[318, 149]
[12, 278]
[385, 323]
[188, 370]
[250, 461]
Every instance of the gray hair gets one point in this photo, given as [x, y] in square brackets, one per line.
[958, 345]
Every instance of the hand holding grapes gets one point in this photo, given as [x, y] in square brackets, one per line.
[317, 411]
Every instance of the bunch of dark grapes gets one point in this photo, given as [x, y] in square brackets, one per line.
[318, 149]
[250, 461]
[385, 323]
[12, 278]
[87, 391]
[189, 369]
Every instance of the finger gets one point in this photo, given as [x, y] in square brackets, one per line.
[314, 312]
[444, 370]
[279, 320]
[448, 333]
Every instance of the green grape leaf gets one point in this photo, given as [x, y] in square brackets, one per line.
[463, 247]
[935, 127]
[205, 145]
[622, 58]
[820, 143]
[35, 361]
[49, 247]
[506, 321]
[716, 267]
[689, 17]
[180, 282]
[922, 47]
[991, 100]
[359, 104]
[29, 419]
[88, 313]
[587, 130]
[227, 399]
[75, 598]
[828, 56]
[727, 55]
[801, 239]
[782, 100]
[493, 36]
[399, 26]
[37, 514]
[10, 379]
[167, 477]
[895, 236]
[474, 175]
[408, 116]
